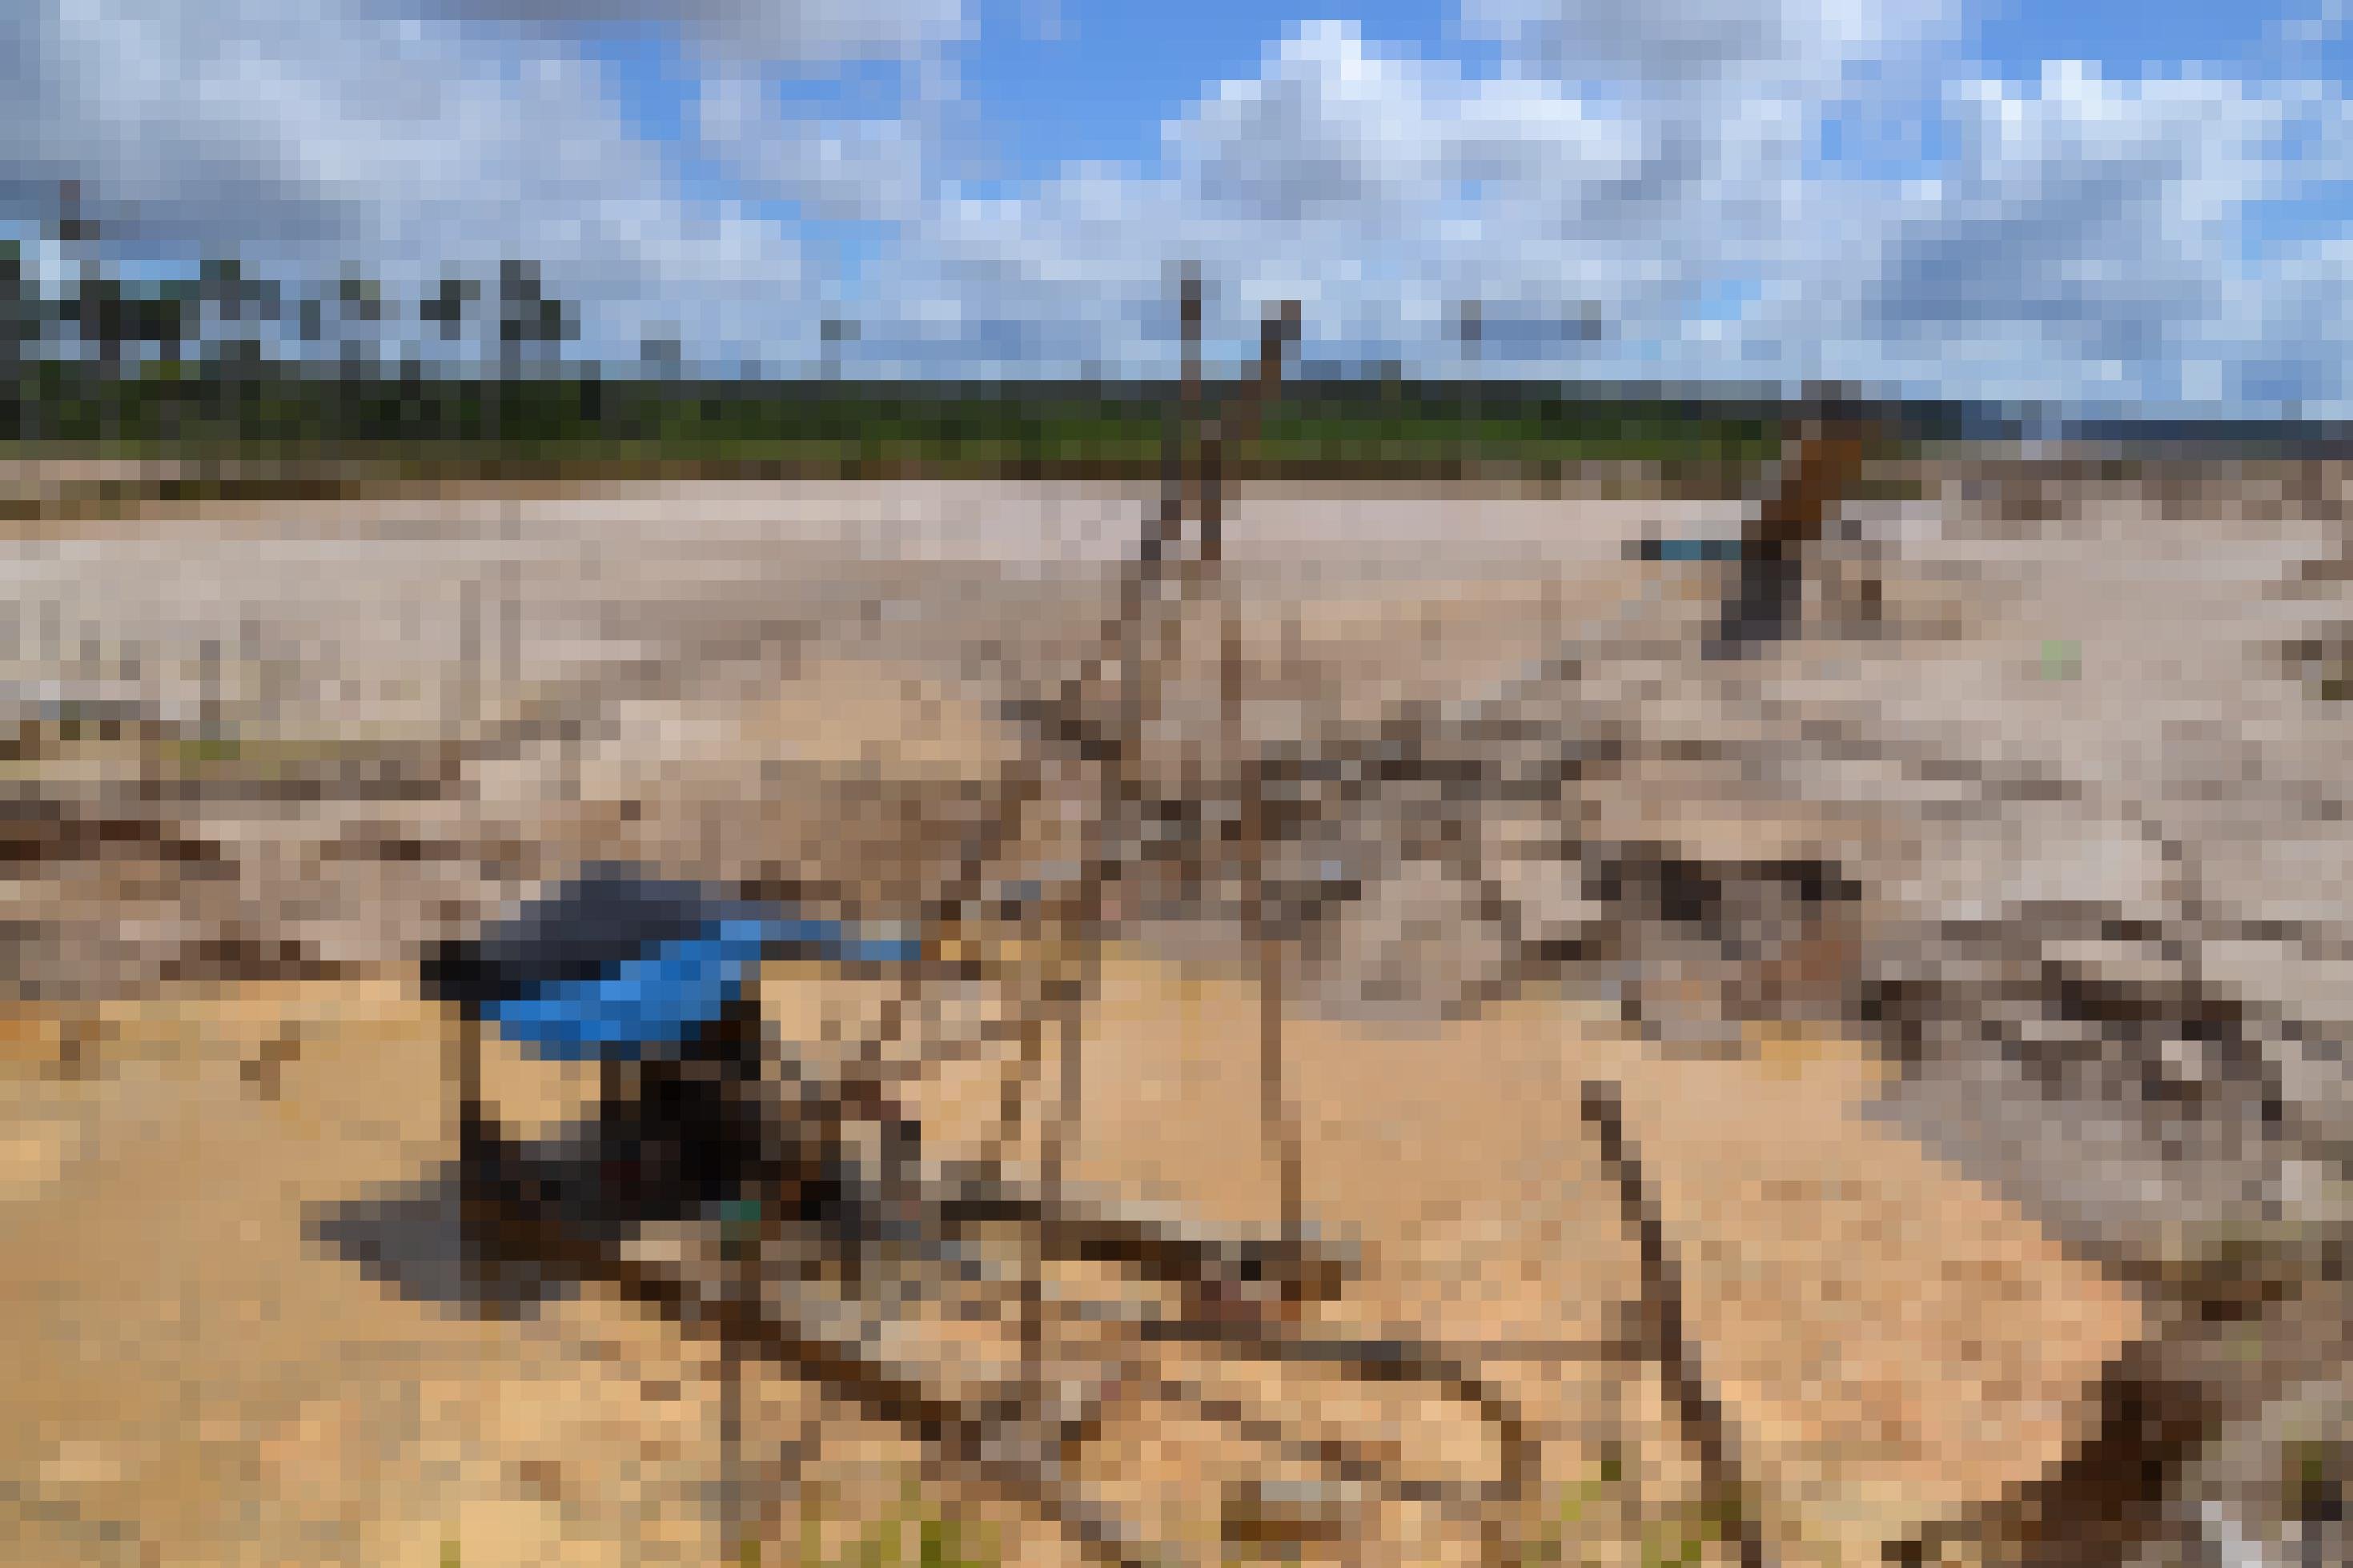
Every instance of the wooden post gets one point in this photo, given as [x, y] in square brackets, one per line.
[480, 1208]
[735, 1491]
[469, 656]
[1277, 1131]
[1828, 441]
[1181, 450]
[1073, 953]
[1115, 741]
[1827, 458]
[1696, 1409]
[465, 1069]
[1180, 485]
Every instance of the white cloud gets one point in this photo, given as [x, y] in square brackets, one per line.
[741, 31]
[1681, 44]
[1380, 188]
[1384, 190]
[871, 169]
[303, 137]
[2082, 239]
[1640, 191]
[2091, 228]
[1387, 188]
[309, 137]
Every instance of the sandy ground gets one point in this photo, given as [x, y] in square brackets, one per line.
[195, 1372]
[799, 683]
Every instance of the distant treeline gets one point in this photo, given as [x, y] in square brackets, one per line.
[205, 365]
[267, 409]
[271, 411]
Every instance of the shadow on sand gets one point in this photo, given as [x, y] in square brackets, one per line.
[461, 1235]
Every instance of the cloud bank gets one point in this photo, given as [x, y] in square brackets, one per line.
[1694, 189]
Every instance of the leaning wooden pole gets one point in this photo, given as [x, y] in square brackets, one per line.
[1118, 779]
[1141, 617]
[1073, 953]
[1826, 451]
[1100, 718]
[1278, 1129]
[1666, 1344]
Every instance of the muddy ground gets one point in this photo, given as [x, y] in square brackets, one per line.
[1973, 960]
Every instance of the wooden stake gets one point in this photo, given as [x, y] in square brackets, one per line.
[478, 1211]
[1702, 1417]
[1273, 1112]
[465, 1069]
[1278, 1129]
[1826, 461]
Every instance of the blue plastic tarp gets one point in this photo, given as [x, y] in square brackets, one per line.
[1689, 550]
[650, 1004]
[569, 981]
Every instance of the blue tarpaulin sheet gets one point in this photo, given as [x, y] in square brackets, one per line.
[618, 965]
[1689, 550]
[646, 1004]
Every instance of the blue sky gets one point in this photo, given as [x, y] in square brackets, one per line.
[1096, 79]
[1101, 83]
[1927, 196]
[2124, 36]
[1115, 70]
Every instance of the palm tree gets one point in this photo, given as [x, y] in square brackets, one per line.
[361, 298]
[529, 321]
[447, 306]
[661, 353]
[835, 331]
[115, 317]
[20, 327]
[1471, 325]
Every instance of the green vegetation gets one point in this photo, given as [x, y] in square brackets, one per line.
[911, 1536]
[1605, 1506]
[2314, 1483]
[289, 415]
[328, 383]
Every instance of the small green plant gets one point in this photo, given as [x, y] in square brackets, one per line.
[1674, 1537]
[912, 1535]
[2316, 1479]
[812, 1528]
[1552, 1536]
[215, 748]
[1679, 1540]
